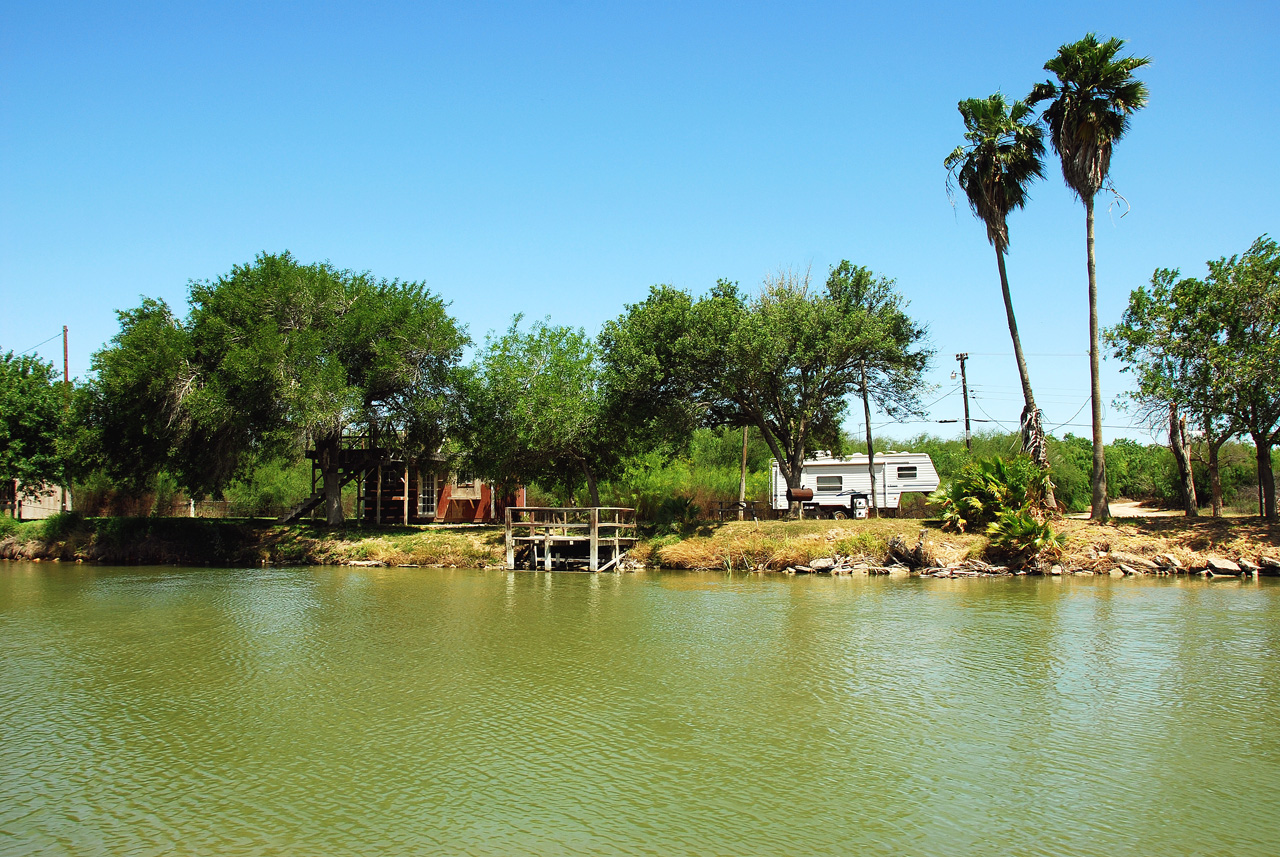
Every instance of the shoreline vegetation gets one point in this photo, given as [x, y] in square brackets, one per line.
[902, 547]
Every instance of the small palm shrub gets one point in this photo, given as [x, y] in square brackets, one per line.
[1022, 536]
[987, 487]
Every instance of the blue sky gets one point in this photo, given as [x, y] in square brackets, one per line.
[558, 159]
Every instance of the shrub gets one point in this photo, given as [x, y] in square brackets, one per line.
[1020, 535]
[986, 488]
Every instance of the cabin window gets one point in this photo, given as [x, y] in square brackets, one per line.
[907, 472]
[465, 486]
[829, 485]
[427, 494]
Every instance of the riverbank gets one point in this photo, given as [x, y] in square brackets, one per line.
[1123, 546]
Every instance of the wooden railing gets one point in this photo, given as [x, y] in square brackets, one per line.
[576, 533]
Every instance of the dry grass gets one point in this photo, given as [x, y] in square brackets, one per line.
[778, 544]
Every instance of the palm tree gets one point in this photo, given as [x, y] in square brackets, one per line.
[1089, 110]
[999, 161]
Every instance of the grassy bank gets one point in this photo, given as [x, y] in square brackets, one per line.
[766, 545]
[229, 542]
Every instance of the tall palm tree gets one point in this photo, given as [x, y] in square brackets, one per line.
[1000, 159]
[1089, 110]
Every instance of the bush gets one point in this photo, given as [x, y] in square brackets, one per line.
[984, 489]
[57, 527]
[1021, 536]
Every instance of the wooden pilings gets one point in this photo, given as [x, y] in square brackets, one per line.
[591, 538]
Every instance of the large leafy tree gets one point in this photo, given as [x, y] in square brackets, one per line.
[1166, 339]
[273, 354]
[1000, 158]
[32, 404]
[1211, 347]
[890, 373]
[535, 407]
[1088, 111]
[784, 360]
[1245, 291]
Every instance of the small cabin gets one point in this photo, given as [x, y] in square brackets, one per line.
[399, 492]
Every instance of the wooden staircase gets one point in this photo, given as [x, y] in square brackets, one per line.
[352, 463]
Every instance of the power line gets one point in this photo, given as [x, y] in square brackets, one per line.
[38, 344]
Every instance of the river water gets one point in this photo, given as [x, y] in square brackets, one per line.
[418, 711]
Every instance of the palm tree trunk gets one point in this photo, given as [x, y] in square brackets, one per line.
[871, 450]
[1101, 511]
[1033, 443]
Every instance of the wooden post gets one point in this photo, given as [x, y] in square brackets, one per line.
[406, 492]
[511, 544]
[593, 560]
[546, 549]
[377, 506]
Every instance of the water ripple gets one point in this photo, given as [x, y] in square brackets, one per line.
[337, 711]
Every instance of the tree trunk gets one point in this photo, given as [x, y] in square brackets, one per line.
[329, 450]
[790, 466]
[871, 450]
[1215, 477]
[742, 479]
[1266, 478]
[593, 490]
[1178, 444]
[1100, 511]
[1033, 442]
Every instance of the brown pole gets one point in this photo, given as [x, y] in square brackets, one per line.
[66, 389]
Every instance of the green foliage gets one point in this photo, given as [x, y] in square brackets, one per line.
[269, 490]
[536, 408]
[985, 488]
[272, 353]
[58, 527]
[31, 420]
[1000, 161]
[1089, 107]
[782, 361]
[1019, 534]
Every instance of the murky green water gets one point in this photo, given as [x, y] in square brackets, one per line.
[403, 711]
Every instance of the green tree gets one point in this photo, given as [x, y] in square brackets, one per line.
[1089, 111]
[31, 417]
[783, 361]
[999, 160]
[1245, 295]
[890, 371]
[535, 408]
[1168, 338]
[273, 354]
[1211, 346]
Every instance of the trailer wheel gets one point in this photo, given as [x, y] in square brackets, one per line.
[839, 516]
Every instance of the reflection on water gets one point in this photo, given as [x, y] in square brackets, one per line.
[377, 711]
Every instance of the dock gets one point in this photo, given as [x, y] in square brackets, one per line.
[569, 538]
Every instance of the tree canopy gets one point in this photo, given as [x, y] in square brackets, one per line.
[31, 418]
[784, 360]
[272, 355]
[1211, 347]
[535, 407]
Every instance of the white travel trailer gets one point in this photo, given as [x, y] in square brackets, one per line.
[842, 486]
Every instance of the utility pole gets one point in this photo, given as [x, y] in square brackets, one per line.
[66, 399]
[964, 388]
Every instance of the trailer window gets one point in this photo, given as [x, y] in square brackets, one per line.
[907, 472]
[829, 485]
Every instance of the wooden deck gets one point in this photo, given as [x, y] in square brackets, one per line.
[583, 538]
